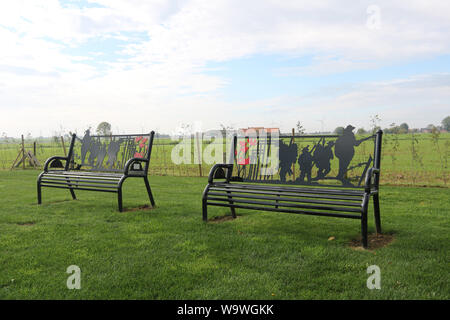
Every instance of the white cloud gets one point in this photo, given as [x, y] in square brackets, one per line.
[160, 81]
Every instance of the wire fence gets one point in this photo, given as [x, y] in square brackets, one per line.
[407, 159]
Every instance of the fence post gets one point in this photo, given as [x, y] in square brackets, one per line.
[293, 165]
[23, 153]
[198, 154]
[64, 147]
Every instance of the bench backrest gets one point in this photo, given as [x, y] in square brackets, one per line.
[108, 153]
[322, 160]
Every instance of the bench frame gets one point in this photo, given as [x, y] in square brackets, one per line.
[95, 180]
[249, 194]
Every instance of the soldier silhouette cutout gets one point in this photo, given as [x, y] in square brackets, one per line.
[288, 155]
[305, 161]
[322, 158]
[113, 150]
[344, 150]
[85, 145]
[93, 152]
[101, 155]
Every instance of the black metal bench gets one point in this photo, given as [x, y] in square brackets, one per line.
[323, 179]
[99, 163]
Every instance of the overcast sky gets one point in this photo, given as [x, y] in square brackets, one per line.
[148, 65]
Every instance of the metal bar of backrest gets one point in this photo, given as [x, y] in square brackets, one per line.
[377, 155]
[150, 147]
[69, 156]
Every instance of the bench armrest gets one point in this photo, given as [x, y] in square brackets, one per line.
[370, 174]
[131, 161]
[218, 166]
[49, 160]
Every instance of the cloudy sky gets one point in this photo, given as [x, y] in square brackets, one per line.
[155, 65]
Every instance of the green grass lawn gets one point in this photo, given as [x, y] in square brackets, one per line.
[170, 253]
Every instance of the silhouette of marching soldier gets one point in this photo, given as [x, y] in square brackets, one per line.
[113, 150]
[85, 145]
[288, 155]
[305, 161]
[94, 151]
[344, 150]
[322, 158]
[101, 155]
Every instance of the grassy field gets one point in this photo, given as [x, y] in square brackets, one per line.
[169, 253]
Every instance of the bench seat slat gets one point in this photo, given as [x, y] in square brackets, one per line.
[291, 199]
[74, 180]
[83, 176]
[73, 184]
[292, 189]
[281, 193]
[78, 188]
[284, 204]
[262, 208]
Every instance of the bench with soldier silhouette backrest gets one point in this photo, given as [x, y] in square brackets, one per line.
[99, 163]
[325, 175]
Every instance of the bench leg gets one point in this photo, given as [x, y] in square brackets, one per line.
[365, 206]
[364, 230]
[204, 210]
[119, 198]
[204, 203]
[39, 193]
[71, 190]
[149, 191]
[376, 207]
[233, 210]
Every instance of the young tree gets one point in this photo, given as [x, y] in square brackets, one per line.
[375, 123]
[300, 128]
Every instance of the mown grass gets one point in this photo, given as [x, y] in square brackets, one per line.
[169, 253]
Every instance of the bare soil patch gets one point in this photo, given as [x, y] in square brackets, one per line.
[140, 208]
[220, 219]
[27, 223]
[375, 241]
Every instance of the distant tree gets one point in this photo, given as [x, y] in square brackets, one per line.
[361, 131]
[431, 127]
[300, 128]
[339, 130]
[104, 128]
[404, 128]
[375, 123]
[446, 123]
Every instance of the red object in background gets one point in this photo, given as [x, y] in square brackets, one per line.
[243, 161]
